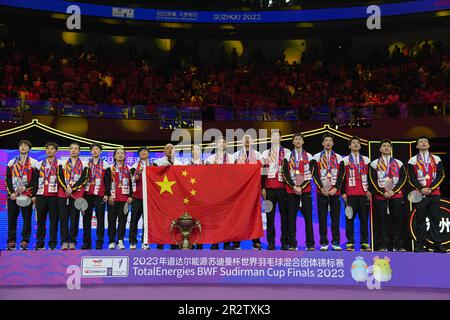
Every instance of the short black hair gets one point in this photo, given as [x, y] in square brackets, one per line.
[422, 137]
[95, 144]
[354, 138]
[385, 141]
[75, 143]
[115, 151]
[298, 134]
[28, 143]
[143, 148]
[327, 135]
[51, 143]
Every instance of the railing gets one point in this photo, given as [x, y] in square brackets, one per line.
[12, 109]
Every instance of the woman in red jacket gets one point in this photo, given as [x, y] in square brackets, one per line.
[121, 193]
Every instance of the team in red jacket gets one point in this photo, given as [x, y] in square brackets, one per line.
[328, 176]
[388, 177]
[54, 186]
[20, 179]
[426, 173]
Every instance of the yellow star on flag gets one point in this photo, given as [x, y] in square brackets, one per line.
[193, 192]
[186, 200]
[165, 185]
[193, 180]
[184, 173]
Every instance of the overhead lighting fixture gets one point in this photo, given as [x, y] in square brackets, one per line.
[110, 21]
[305, 25]
[444, 13]
[59, 16]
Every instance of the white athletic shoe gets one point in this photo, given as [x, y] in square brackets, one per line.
[145, 246]
[112, 246]
[132, 246]
[324, 247]
[120, 245]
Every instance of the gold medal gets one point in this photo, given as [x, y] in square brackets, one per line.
[328, 175]
[46, 182]
[427, 177]
[120, 186]
[297, 172]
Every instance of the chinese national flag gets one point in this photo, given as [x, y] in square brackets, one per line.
[224, 198]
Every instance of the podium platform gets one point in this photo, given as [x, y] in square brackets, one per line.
[74, 269]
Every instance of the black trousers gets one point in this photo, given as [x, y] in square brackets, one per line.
[238, 243]
[94, 203]
[428, 207]
[137, 210]
[46, 206]
[13, 214]
[115, 213]
[335, 215]
[394, 218]
[68, 213]
[277, 196]
[293, 203]
[359, 205]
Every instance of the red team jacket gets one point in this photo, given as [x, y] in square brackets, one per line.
[100, 185]
[21, 175]
[77, 181]
[419, 177]
[378, 178]
[306, 167]
[356, 183]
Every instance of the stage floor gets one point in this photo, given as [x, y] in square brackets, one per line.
[223, 292]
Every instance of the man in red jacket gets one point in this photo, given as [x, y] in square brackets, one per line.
[97, 191]
[45, 195]
[328, 176]
[273, 188]
[426, 173]
[300, 164]
[19, 180]
[387, 178]
[72, 176]
[356, 194]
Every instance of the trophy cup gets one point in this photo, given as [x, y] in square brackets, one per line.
[185, 224]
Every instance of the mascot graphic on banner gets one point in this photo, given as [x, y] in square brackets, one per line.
[374, 274]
